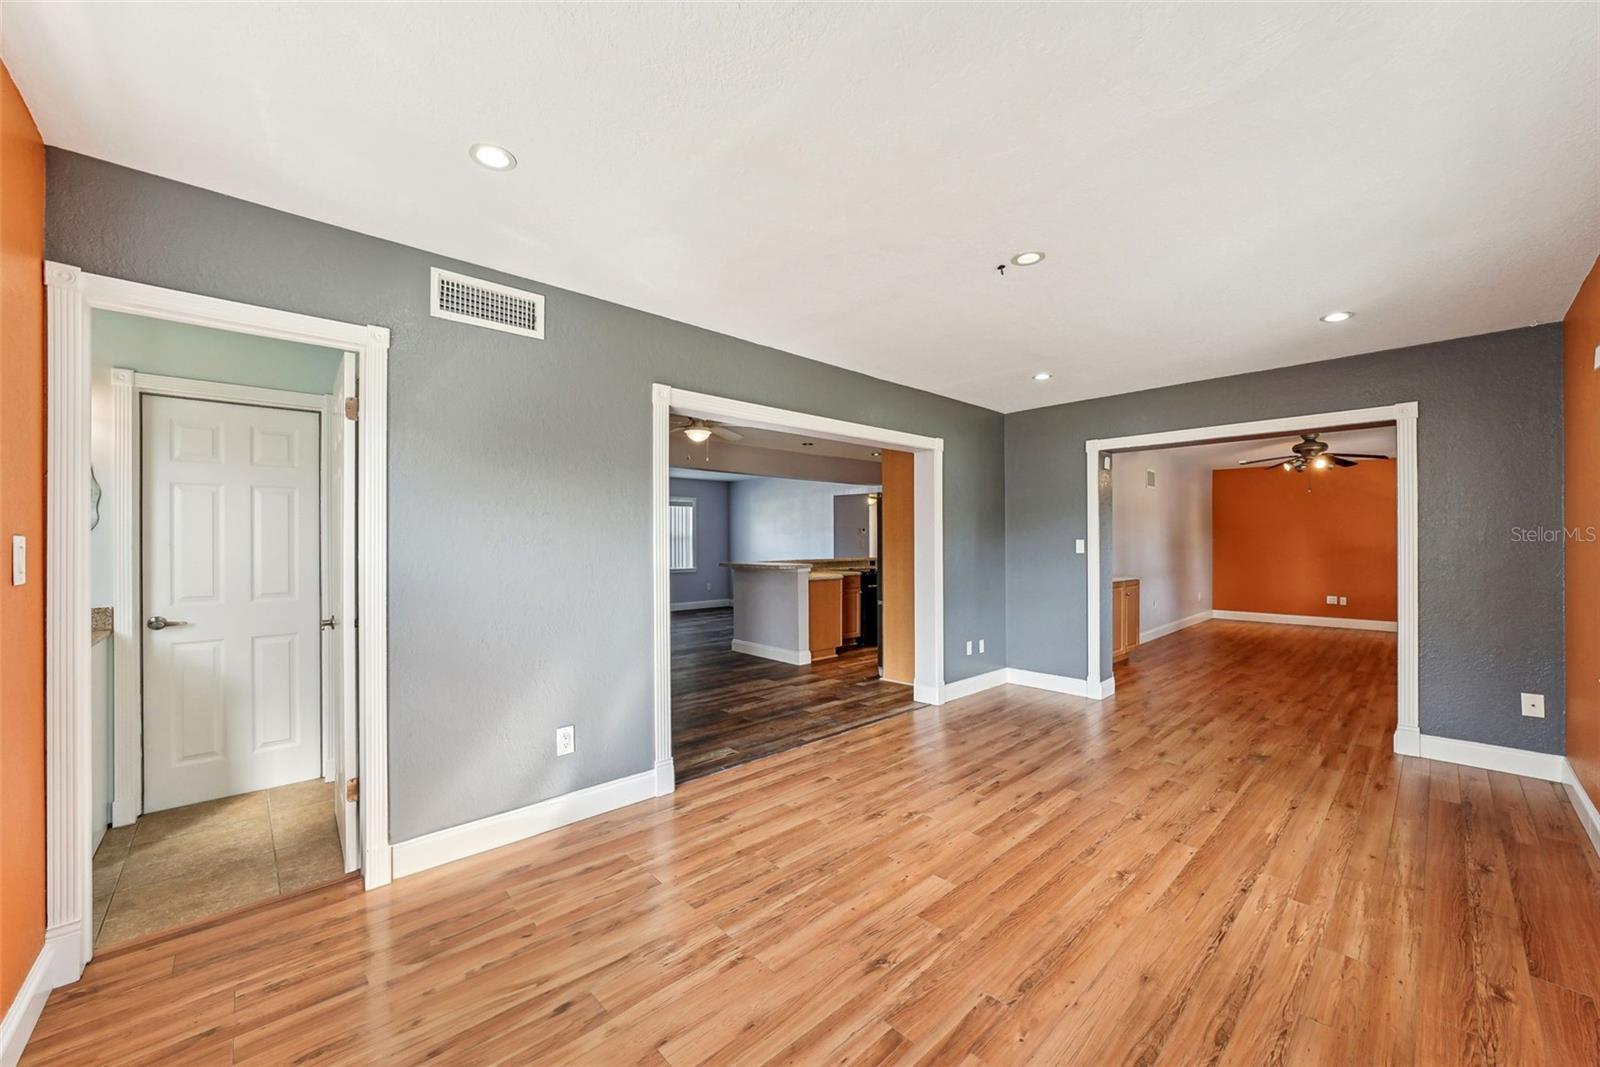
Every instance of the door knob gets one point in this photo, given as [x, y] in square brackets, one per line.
[157, 622]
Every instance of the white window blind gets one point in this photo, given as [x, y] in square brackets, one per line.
[680, 533]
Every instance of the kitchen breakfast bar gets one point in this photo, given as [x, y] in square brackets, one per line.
[799, 611]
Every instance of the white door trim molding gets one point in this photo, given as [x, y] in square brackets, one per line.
[72, 296]
[122, 492]
[1404, 416]
[928, 453]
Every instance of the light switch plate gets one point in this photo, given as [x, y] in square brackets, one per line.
[1105, 463]
[565, 742]
[969, 648]
[1533, 705]
[1344, 601]
[1332, 599]
[19, 559]
[980, 646]
[1081, 548]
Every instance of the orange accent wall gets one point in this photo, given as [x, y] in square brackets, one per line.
[1581, 406]
[1282, 542]
[22, 369]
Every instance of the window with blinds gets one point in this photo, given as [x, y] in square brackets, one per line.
[680, 533]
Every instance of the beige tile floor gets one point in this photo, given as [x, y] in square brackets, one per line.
[177, 866]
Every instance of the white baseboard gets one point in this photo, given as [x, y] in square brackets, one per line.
[459, 842]
[1408, 741]
[976, 684]
[1060, 683]
[782, 655]
[1545, 765]
[929, 694]
[1587, 813]
[1173, 627]
[696, 605]
[1306, 620]
[56, 965]
[666, 777]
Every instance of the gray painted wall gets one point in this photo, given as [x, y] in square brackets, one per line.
[1489, 460]
[519, 495]
[779, 518]
[709, 580]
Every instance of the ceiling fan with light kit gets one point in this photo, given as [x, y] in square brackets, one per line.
[702, 430]
[1310, 453]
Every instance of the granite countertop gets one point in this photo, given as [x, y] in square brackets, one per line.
[827, 576]
[821, 566]
[99, 624]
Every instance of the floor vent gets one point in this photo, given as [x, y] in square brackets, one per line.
[479, 303]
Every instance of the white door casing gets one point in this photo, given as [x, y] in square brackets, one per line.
[231, 533]
[340, 640]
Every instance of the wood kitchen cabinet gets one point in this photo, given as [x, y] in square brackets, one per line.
[827, 617]
[851, 595]
[1124, 617]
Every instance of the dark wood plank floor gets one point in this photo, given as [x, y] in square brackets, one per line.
[729, 708]
[1225, 863]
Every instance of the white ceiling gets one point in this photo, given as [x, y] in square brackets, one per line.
[840, 180]
[805, 446]
[1377, 440]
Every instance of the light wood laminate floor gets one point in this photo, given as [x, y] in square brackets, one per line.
[1224, 863]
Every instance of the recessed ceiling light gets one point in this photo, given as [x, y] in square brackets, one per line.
[492, 156]
[1338, 316]
[1042, 376]
[1027, 259]
[877, 453]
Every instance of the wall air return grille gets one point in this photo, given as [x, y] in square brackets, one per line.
[479, 303]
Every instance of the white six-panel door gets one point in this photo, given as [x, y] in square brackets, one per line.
[232, 681]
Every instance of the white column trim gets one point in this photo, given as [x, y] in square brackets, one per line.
[68, 776]
[1407, 730]
[126, 639]
[661, 589]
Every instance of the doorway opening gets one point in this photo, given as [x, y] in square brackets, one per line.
[1303, 521]
[226, 471]
[216, 725]
[834, 620]
[792, 608]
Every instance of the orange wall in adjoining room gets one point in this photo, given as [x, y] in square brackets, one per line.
[1581, 408]
[22, 377]
[1282, 542]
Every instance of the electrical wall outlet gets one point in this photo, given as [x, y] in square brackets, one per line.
[969, 648]
[1533, 705]
[1081, 547]
[1105, 463]
[565, 741]
[1344, 601]
[980, 646]
[19, 559]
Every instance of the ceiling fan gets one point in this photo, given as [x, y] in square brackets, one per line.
[1310, 452]
[701, 430]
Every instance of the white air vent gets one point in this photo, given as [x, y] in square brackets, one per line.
[480, 303]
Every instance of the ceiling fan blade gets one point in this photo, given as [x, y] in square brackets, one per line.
[678, 422]
[727, 434]
[1340, 461]
[1275, 459]
[1362, 455]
